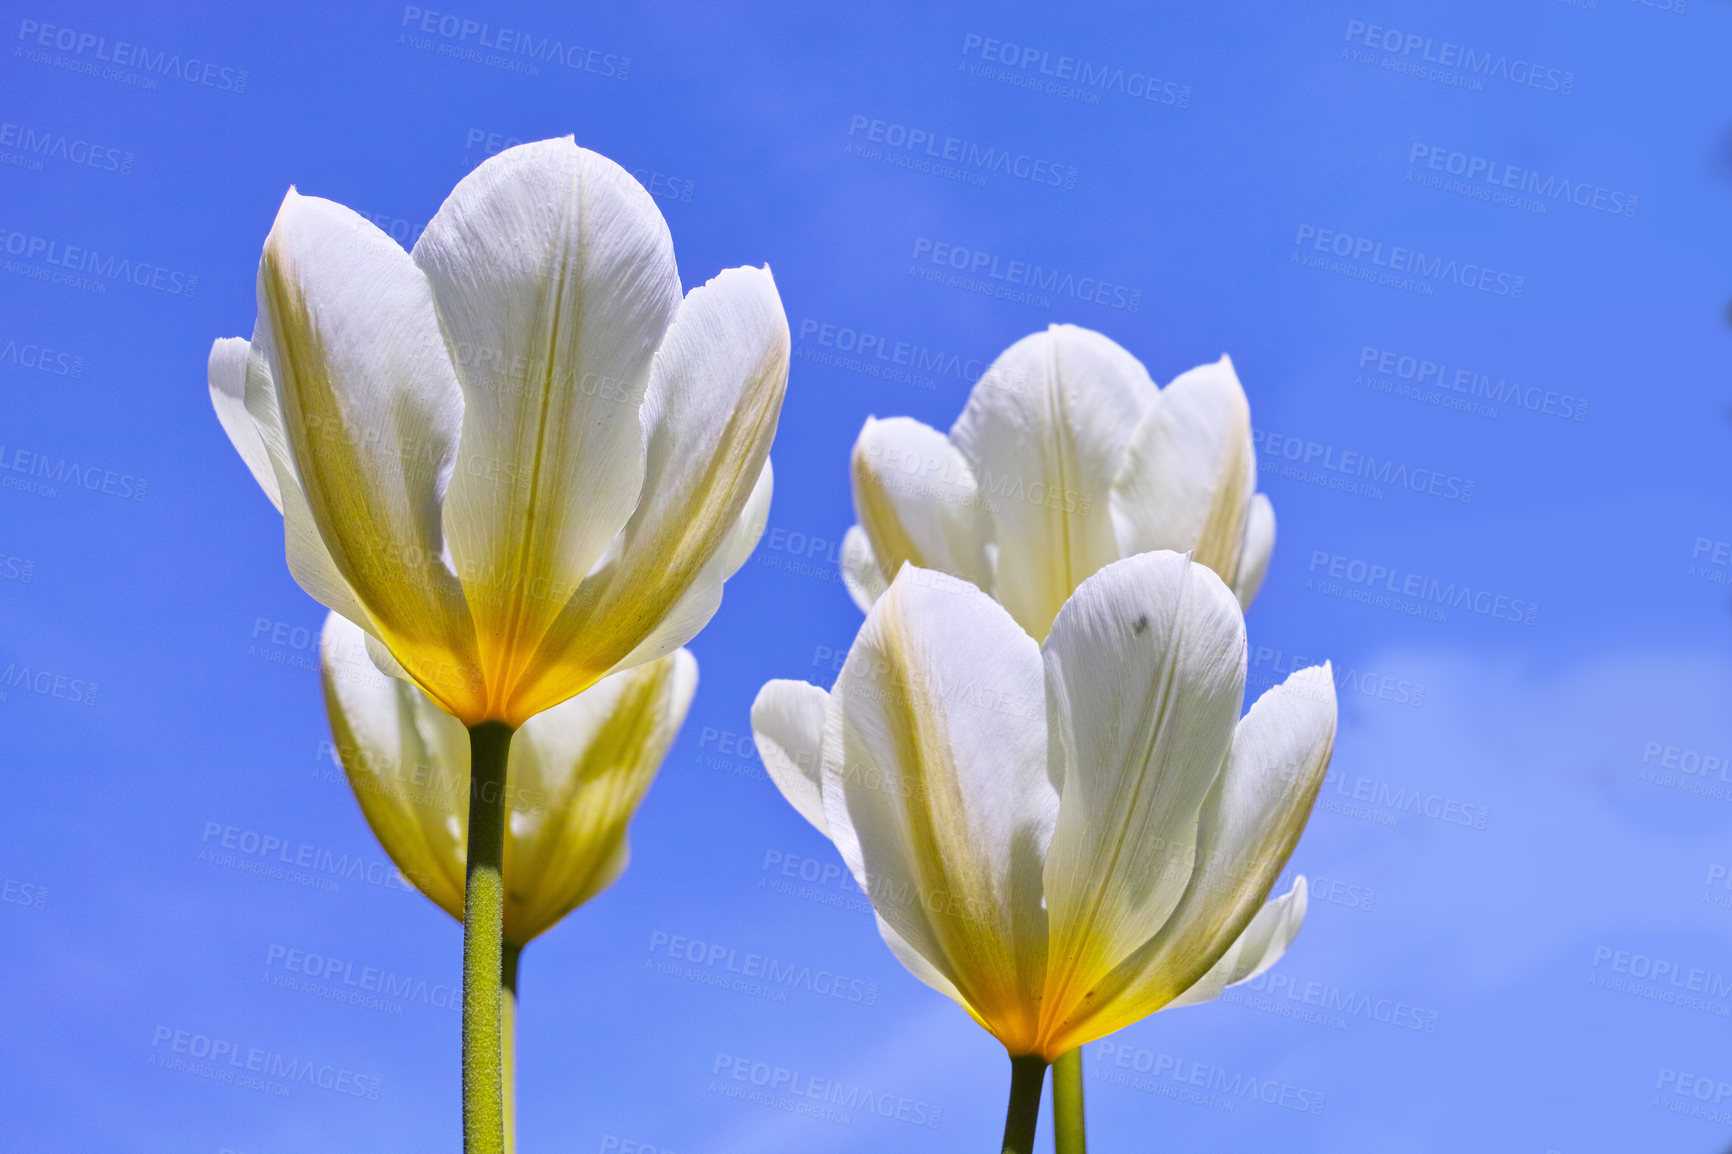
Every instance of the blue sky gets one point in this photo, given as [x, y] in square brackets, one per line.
[1484, 246]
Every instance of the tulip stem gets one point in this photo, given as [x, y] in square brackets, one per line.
[1068, 1136]
[508, 1042]
[484, 941]
[1027, 1075]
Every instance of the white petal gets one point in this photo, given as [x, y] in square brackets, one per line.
[1250, 824]
[935, 789]
[577, 774]
[309, 561]
[713, 403]
[407, 762]
[860, 572]
[1255, 950]
[1146, 672]
[788, 728]
[371, 414]
[227, 371]
[554, 279]
[916, 500]
[699, 603]
[748, 527]
[1044, 432]
[1259, 544]
[916, 964]
[1189, 472]
[383, 661]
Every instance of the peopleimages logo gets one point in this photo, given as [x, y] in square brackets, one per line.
[1506, 180]
[63, 471]
[927, 144]
[1071, 76]
[1415, 50]
[977, 270]
[35, 145]
[87, 46]
[880, 355]
[1410, 266]
[519, 47]
[58, 256]
[41, 357]
[801, 1088]
[167, 1042]
[1344, 468]
[1469, 383]
[1433, 597]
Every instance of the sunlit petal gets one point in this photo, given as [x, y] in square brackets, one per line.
[1146, 671]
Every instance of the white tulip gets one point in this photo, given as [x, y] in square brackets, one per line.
[1066, 458]
[1063, 837]
[575, 777]
[515, 457]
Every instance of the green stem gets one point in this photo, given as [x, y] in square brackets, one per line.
[1027, 1075]
[508, 1042]
[1068, 1135]
[484, 940]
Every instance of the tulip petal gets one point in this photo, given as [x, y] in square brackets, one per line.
[1189, 472]
[936, 794]
[407, 762]
[688, 616]
[227, 371]
[788, 729]
[1145, 671]
[576, 776]
[370, 414]
[1255, 950]
[714, 399]
[554, 279]
[860, 572]
[309, 561]
[917, 501]
[1259, 544]
[916, 964]
[1044, 433]
[1250, 824]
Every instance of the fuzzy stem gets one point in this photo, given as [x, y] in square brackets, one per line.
[484, 940]
[508, 1042]
[1068, 1136]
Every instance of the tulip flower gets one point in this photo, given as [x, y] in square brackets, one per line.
[1066, 457]
[1063, 837]
[517, 458]
[575, 777]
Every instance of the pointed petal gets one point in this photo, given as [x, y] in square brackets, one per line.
[917, 501]
[713, 403]
[1044, 432]
[860, 571]
[1255, 950]
[788, 728]
[407, 762]
[554, 279]
[309, 561]
[1145, 671]
[227, 371]
[576, 776]
[688, 616]
[1189, 472]
[370, 413]
[936, 794]
[1259, 545]
[1250, 824]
